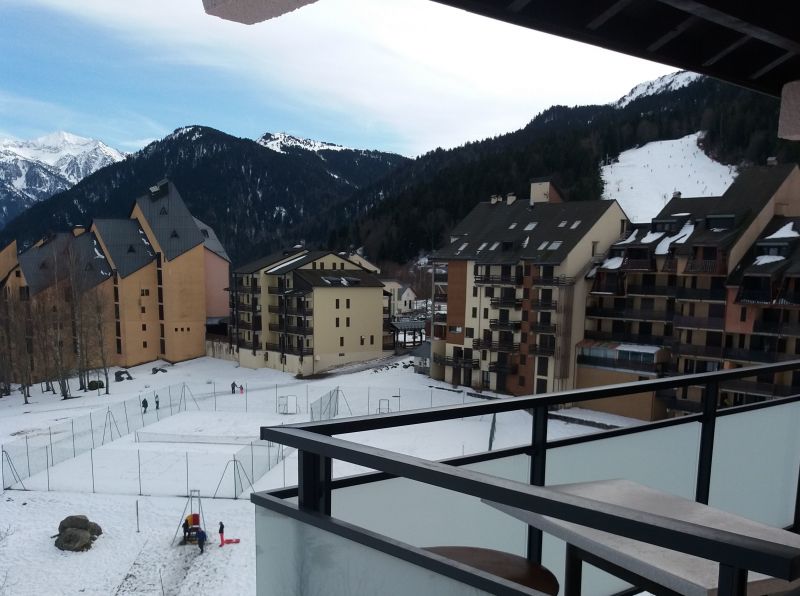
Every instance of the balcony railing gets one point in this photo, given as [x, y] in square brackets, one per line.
[471, 363]
[640, 290]
[632, 314]
[276, 289]
[638, 265]
[696, 350]
[544, 304]
[249, 307]
[788, 297]
[775, 328]
[503, 367]
[615, 288]
[498, 280]
[498, 325]
[630, 338]
[711, 294]
[554, 281]
[440, 297]
[542, 327]
[711, 267]
[713, 323]
[254, 325]
[294, 350]
[515, 303]
[752, 355]
[754, 296]
[542, 350]
[295, 312]
[251, 289]
[347, 516]
[248, 345]
[495, 346]
[622, 363]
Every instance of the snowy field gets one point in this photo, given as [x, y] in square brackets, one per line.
[205, 438]
[643, 179]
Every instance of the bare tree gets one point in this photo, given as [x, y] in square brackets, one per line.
[97, 310]
[17, 345]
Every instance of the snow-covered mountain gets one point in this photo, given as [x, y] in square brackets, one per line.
[643, 179]
[669, 82]
[34, 170]
[281, 141]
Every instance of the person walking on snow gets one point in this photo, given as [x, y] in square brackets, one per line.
[233, 388]
[156, 401]
[221, 534]
[241, 389]
[201, 539]
[144, 406]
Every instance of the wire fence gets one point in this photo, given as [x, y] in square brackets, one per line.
[84, 454]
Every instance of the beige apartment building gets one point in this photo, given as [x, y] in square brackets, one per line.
[707, 284]
[305, 312]
[515, 290]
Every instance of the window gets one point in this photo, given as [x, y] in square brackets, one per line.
[475, 291]
[143, 309]
[541, 366]
[541, 386]
[337, 306]
[362, 340]
[743, 315]
[523, 358]
[116, 311]
[161, 330]
[116, 293]
[530, 226]
[563, 224]
[575, 224]
[347, 303]
[144, 292]
[521, 381]
[485, 313]
[337, 321]
[163, 346]
[347, 322]
[371, 340]
[469, 332]
[144, 344]
[313, 265]
[144, 327]
[594, 247]
[455, 329]
[474, 312]
[119, 346]
[341, 341]
[160, 311]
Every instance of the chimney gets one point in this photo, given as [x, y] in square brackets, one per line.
[510, 198]
[493, 199]
[676, 194]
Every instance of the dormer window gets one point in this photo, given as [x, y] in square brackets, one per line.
[174, 234]
[530, 226]
[204, 232]
[163, 211]
[720, 222]
[512, 226]
[563, 224]
[131, 249]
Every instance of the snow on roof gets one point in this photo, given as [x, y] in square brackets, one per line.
[294, 260]
[766, 259]
[630, 238]
[637, 348]
[651, 237]
[612, 263]
[786, 231]
[680, 214]
[679, 238]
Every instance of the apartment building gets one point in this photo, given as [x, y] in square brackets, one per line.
[306, 311]
[401, 299]
[514, 290]
[694, 291]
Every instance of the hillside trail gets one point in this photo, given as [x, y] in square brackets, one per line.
[160, 570]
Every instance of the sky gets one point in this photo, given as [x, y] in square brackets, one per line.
[406, 76]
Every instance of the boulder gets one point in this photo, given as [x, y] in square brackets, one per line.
[73, 539]
[95, 530]
[77, 522]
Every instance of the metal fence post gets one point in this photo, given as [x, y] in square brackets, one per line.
[91, 459]
[72, 423]
[50, 432]
[28, 455]
[47, 468]
[139, 463]
[537, 474]
[91, 428]
[709, 421]
[245, 397]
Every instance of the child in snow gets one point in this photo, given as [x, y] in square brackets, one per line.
[221, 534]
[241, 389]
[201, 539]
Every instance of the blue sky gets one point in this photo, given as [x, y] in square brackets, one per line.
[397, 75]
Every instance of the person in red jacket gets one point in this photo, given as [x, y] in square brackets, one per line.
[221, 534]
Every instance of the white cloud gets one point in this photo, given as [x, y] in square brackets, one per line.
[427, 74]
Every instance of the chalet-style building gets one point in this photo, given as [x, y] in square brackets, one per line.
[305, 312]
[515, 290]
[703, 287]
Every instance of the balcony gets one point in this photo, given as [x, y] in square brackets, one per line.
[498, 280]
[440, 297]
[640, 290]
[440, 317]
[440, 278]
[704, 351]
[608, 288]
[541, 350]
[709, 267]
[293, 311]
[630, 338]
[750, 355]
[754, 296]
[651, 367]
[482, 499]
[471, 363]
[631, 314]
[498, 325]
[544, 305]
[711, 294]
[253, 307]
[503, 367]
[515, 303]
[248, 345]
[554, 281]
[276, 289]
[254, 325]
[638, 265]
[542, 327]
[712, 323]
[789, 298]
[754, 388]
[495, 346]
[294, 350]
[251, 289]
[775, 328]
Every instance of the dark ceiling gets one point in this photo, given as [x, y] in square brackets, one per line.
[752, 44]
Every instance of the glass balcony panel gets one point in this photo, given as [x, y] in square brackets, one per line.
[756, 458]
[664, 459]
[295, 558]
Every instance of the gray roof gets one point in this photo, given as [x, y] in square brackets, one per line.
[501, 234]
[407, 325]
[56, 258]
[174, 227]
[790, 245]
[264, 262]
[293, 264]
[127, 244]
[328, 278]
[211, 240]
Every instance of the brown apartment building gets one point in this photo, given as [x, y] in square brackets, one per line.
[707, 284]
[159, 273]
[305, 312]
[510, 306]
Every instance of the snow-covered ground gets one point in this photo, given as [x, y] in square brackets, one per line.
[196, 448]
[643, 179]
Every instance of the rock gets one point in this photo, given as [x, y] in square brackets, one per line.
[77, 522]
[73, 539]
[95, 529]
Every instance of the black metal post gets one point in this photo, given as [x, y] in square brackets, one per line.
[314, 482]
[537, 474]
[709, 421]
[796, 525]
[573, 571]
[732, 581]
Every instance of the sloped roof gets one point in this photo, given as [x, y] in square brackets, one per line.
[127, 244]
[51, 262]
[332, 278]
[211, 240]
[773, 235]
[264, 262]
[298, 262]
[174, 227]
[544, 233]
